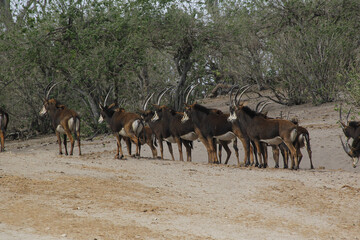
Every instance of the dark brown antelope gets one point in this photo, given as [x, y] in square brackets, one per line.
[261, 129]
[64, 121]
[210, 125]
[156, 126]
[241, 133]
[174, 131]
[122, 123]
[4, 120]
[351, 131]
[302, 140]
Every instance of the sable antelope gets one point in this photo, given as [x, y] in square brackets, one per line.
[156, 126]
[241, 133]
[64, 121]
[210, 125]
[351, 131]
[4, 119]
[124, 124]
[209, 144]
[260, 129]
[302, 140]
[174, 131]
[177, 133]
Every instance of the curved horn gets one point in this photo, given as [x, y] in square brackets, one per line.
[345, 147]
[147, 101]
[48, 92]
[188, 94]
[262, 107]
[246, 87]
[347, 117]
[231, 93]
[186, 89]
[162, 94]
[107, 95]
[258, 105]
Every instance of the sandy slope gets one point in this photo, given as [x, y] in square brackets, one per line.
[45, 196]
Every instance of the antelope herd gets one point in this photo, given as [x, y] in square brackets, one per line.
[215, 129]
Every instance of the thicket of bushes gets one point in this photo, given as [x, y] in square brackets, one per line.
[304, 51]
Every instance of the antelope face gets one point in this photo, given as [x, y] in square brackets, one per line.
[43, 111]
[185, 118]
[352, 151]
[155, 117]
[44, 108]
[232, 116]
[101, 119]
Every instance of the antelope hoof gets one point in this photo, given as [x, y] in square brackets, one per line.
[257, 165]
[276, 166]
[60, 153]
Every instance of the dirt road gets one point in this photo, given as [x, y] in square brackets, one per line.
[46, 196]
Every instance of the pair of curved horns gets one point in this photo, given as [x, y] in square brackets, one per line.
[48, 89]
[236, 101]
[161, 94]
[264, 103]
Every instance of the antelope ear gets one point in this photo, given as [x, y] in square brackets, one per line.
[111, 105]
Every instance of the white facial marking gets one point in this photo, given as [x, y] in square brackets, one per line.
[43, 111]
[232, 117]
[101, 119]
[155, 117]
[185, 118]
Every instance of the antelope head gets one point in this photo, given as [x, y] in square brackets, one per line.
[352, 151]
[49, 103]
[235, 103]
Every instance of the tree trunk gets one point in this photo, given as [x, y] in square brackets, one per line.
[179, 92]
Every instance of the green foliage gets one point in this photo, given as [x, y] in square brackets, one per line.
[353, 86]
[304, 51]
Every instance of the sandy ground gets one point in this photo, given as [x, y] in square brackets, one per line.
[46, 196]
